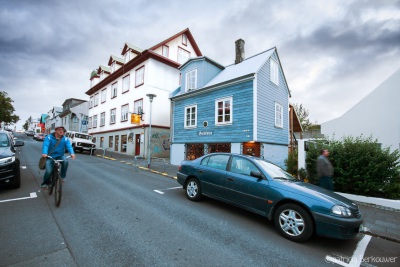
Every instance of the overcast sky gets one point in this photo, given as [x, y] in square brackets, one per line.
[333, 52]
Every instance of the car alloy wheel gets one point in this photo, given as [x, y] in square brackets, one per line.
[293, 222]
[193, 189]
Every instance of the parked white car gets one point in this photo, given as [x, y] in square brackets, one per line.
[81, 142]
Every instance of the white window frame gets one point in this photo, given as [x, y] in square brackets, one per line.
[191, 80]
[113, 113]
[192, 112]
[102, 119]
[184, 39]
[136, 105]
[113, 67]
[124, 112]
[91, 102]
[114, 90]
[90, 123]
[125, 83]
[139, 76]
[96, 99]
[224, 101]
[165, 51]
[95, 121]
[183, 55]
[274, 72]
[103, 95]
[278, 115]
[127, 56]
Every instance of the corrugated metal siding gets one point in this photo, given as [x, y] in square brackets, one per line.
[267, 94]
[241, 129]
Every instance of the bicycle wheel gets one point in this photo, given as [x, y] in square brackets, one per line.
[58, 190]
[51, 184]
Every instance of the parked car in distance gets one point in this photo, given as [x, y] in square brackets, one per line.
[40, 137]
[9, 161]
[299, 210]
[29, 133]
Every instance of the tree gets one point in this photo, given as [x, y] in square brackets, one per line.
[302, 114]
[7, 110]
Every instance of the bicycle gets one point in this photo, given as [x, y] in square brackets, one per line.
[55, 180]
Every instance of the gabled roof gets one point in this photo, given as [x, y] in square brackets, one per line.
[248, 66]
[188, 35]
[134, 49]
[202, 58]
[103, 68]
[118, 60]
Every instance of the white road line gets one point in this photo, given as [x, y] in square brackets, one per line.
[357, 257]
[171, 188]
[32, 195]
[158, 191]
[162, 193]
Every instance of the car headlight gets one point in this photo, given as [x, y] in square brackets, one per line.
[7, 160]
[341, 211]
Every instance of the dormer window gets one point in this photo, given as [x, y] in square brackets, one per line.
[113, 67]
[101, 75]
[184, 39]
[191, 80]
[127, 56]
[165, 51]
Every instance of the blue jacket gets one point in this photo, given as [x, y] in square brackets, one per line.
[50, 141]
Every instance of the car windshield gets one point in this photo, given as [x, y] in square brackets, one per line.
[275, 172]
[83, 136]
[4, 140]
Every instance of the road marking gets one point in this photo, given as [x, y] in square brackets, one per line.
[23, 167]
[33, 195]
[171, 188]
[357, 257]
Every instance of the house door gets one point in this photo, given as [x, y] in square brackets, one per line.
[116, 143]
[137, 145]
[252, 149]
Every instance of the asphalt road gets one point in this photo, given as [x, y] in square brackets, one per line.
[114, 215]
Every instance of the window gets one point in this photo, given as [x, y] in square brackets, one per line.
[114, 90]
[90, 123]
[103, 95]
[165, 51]
[223, 111]
[91, 102]
[274, 75]
[102, 119]
[138, 106]
[127, 56]
[242, 166]
[184, 39]
[113, 67]
[96, 99]
[191, 80]
[111, 141]
[183, 55]
[124, 112]
[139, 77]
[278, 115]
[94, 121]
[216, 161]
[191, 116]
[125, 84]
[112, 115]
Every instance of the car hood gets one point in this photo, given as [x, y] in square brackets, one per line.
[307, 190]
[5, 152]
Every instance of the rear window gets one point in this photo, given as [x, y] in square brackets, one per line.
[4, 140]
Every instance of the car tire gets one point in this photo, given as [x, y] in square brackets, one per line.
[294, 222]
[193, 189]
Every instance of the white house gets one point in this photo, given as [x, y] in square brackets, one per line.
[53, 119]
[119, 108]
[376, 115]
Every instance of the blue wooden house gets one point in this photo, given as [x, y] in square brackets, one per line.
[241, 108]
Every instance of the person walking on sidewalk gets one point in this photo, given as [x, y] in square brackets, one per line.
[325, 170]
[55, 145]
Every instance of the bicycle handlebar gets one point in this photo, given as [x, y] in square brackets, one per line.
[59, 160]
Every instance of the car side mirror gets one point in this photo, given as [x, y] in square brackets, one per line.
[256, 174]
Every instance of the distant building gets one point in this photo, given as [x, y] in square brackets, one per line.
[74, 116]
[375, 115]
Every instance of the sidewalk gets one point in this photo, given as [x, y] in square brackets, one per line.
[381, 216]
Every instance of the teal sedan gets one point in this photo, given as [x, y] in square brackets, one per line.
[299, 210]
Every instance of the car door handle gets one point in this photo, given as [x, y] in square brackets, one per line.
[231, 179]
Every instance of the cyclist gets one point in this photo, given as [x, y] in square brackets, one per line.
[55, 145]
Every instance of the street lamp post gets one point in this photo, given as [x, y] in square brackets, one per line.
[150, 96]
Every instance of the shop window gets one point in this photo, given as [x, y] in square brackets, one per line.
[194, 151]
[213, 148]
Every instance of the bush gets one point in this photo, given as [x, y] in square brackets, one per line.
[291, 163]
[360, 167]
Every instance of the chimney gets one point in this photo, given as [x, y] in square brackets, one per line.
[239, 51]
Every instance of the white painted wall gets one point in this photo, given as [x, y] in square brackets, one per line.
[177, 153]
[376, 115]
